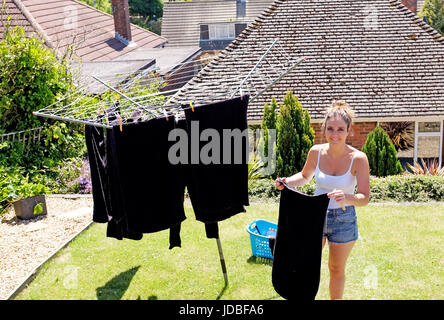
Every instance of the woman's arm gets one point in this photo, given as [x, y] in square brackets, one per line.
[307, 173]
[362, 195]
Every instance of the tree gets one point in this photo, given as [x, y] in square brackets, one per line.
[31, 76]
[286, 143]
[295, 137]
[433, 11]
[102, 5]
[381, 154]
[268, 122]
[148, 9]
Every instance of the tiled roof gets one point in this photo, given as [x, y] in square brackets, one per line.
[17, 18]
[92, 31]
[376, 54]
[181, 19]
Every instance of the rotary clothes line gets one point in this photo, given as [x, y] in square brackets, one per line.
[146, 96]
[137, 189]
[153, 92]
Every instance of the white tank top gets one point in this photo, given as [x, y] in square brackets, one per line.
[326, 183]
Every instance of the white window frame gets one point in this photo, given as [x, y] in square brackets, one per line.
[215, 27]
[428, 134]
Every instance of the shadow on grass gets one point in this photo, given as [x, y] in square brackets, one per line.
[259, 260]
[152, 297]
[117, 286]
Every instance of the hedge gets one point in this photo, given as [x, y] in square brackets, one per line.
[405, 187]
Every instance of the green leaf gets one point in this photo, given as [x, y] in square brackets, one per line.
[38, 209]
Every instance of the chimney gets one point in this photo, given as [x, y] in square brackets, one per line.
[122, 25]
[411, 5]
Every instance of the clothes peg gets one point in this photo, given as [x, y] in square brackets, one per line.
[165, 114]
[120, 121]
[176, 117]
[192, 108]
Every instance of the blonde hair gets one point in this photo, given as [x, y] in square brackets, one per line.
[341, 109]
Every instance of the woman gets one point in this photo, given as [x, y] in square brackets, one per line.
[338, 168]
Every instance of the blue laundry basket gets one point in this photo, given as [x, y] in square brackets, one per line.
[260, 231]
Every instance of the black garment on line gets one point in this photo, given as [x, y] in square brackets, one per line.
[218, 191]
[298, 246]
[151, 187]
[211, 228]
[107, 205]
[96, 146]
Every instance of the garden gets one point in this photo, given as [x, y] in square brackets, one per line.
[400, 230]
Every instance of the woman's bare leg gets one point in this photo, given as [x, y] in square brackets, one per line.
[338, 254]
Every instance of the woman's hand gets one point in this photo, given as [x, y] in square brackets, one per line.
[339, 197]
[279, 184]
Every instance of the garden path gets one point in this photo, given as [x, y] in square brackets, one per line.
[26, 244]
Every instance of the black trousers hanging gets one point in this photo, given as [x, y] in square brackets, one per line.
[107, 206]
[298, 246]
[218, 190]
[151, 186]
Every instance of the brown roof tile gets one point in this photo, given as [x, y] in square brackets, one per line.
[17, 18]
[375, 54]
[65, 21]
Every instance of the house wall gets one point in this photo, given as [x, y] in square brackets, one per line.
[357, 137]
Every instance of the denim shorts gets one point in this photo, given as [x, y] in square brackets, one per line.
[341, 226]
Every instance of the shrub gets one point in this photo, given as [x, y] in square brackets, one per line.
[406, 187]
[265, 189]
[295, 137]
[381, 154]
[30, 78]
[400, 133]
[70, 176]
[433, 11]
[58, 141]
[268, 122]
[429, 168]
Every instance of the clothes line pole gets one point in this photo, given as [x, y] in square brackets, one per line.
[222, 260]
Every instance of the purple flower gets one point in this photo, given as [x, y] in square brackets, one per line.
[84, 180]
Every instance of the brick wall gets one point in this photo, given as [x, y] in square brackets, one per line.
[411, 4]
[357, 137]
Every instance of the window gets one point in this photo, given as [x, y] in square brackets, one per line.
[221, 31]
[428, 140]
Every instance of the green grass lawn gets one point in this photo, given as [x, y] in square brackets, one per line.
[400, 256]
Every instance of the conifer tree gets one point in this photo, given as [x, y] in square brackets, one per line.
[381, 154]
[286, 143]
[268, 122]
[295, 137]
[433, 11]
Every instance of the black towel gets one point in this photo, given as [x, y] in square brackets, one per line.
[298, 245]
[107, 207]
[151, 187]
[218, 190]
